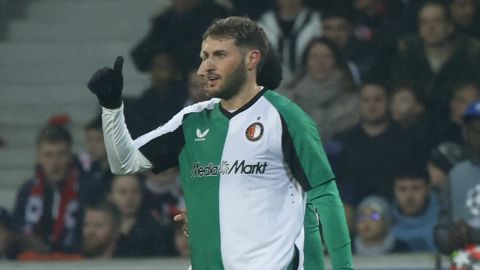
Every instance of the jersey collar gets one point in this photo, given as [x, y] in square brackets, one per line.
[252, 101]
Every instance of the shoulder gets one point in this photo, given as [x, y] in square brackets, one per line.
[460, 169]
[175, 123]
[27, 185]
[287, 109]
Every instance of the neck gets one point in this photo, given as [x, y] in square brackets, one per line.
[248, 91]
[54, 179]
[127, 223]
[374, 129]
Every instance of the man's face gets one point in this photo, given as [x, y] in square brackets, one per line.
[99, 233]
[54, 158]
[434, 27]
[411, 195]
[338, 30]
[162, 71]
[223, 69]
[320, 62]
[460, 101]
[95, 145]
[463, 11]
[126, 194]
[373, 104]
[472, 135]
[404, 106]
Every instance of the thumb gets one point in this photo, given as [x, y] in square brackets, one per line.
[178, 217]
[117, 67]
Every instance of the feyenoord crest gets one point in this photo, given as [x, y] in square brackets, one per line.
[254, 132]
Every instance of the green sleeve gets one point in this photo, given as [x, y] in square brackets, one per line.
[326, 200]
[313, 248]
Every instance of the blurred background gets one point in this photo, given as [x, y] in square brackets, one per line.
[393, 86]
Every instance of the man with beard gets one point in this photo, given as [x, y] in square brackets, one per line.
[252, 165]
[101, 229]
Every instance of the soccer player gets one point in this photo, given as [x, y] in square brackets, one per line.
[252, 165]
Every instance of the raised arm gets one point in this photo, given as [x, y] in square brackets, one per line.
[123, 155]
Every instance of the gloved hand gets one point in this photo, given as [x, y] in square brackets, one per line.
[107, 84]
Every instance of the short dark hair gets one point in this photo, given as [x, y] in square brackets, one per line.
[108, 208]
[411, 88]
[54, 134]
[245, 32]
[411, 171]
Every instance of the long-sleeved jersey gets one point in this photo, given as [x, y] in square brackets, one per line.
[250, 180]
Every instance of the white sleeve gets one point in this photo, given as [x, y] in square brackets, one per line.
[123, 155]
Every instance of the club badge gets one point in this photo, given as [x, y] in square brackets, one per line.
[254, 132]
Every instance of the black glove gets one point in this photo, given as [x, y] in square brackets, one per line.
[107, 84]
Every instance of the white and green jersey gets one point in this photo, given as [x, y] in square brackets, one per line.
[244, 176]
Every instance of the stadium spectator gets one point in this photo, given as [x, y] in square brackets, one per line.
[406, 107]
[196, 93]
[101, 230]
[337, 26]
[373, 223]
[163, 195]
[459, 223]
[11, 244]
[415, 210]
[140, 235]
[289, 27]
[408, 111]
[95, 161]
[164, 97]
[179, 29]
[325, 89]
[441, 160]
[403, 15]
[48, 207]
[465, 16]
[464, 93]
[373, 26]
[364, 160]
[436, 59]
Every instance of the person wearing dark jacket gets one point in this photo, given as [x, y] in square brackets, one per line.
[158, 103]
[48, 207]
[140, 235]
[179, 28]
[436, 59]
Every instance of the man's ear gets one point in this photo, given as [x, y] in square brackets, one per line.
[252, 59]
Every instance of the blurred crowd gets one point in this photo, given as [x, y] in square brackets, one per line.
[393, 86]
